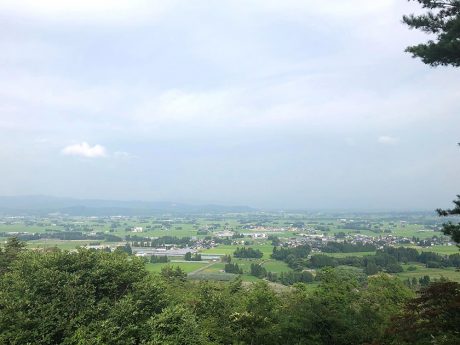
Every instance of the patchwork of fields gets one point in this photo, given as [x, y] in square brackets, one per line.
[255, 231]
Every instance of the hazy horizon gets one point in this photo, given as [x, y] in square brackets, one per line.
[24, 201]
[292, 104]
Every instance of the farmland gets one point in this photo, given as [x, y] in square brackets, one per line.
[217, 236]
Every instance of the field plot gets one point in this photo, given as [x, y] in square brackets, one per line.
[220, 249]
[187, 267]
[172, 232]
[446, 250]
[216, 231]
[276, 266]
[265, 248]
[212, 276]
[344, 255]
[414, 230]
[433, 273]
[211, 271]
[61, 244]
[29, 228]
[249, 279]
[185, 231]
[442, 250]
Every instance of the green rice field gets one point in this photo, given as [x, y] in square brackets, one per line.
[187, 267]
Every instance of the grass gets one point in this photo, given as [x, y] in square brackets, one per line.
[414, 230]
[434, 273]
[276, 266]
[215, 268]
[249, 278]
[445, 250]
[220, 249]
[265, 248]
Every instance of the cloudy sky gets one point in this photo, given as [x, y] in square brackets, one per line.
[267, 103]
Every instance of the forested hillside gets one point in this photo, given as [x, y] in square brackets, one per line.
[95, 297]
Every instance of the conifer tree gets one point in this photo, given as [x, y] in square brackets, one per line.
[442, 20]
[449, 228]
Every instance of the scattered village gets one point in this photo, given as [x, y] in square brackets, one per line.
[204, 234]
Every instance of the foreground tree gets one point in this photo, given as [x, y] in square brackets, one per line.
[9, 254]
[346, 308]
[442, 20]
[451, 229]
[431, 318]
[86, 297]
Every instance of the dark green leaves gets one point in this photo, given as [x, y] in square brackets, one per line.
[443, 21]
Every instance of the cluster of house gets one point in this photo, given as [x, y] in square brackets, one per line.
[264, 229]
[320, 240]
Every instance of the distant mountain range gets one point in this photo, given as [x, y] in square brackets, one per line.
[41, 205]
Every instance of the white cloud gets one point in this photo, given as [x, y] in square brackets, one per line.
[388, 140]
[85, 150]
[103, 11]
[332, 7]
[122, 155]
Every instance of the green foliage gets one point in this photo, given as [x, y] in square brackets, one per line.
[299, 252]
[275, 241]
[321, 261]
[371, 268]
[291, 278]
[94, 297]
[258, 270]
[125, 249]
[345, 247]
[450, 229]
[175, 325]
[154, 259]
[442, 20]
[345, 309]
[8, 255]
[213, 304]
[257, 322]
[84, 297]
[247, 253]
[431, 318]
[226, 258]
[173, 273]
[233, 268]
[293, 256]
[189, 257]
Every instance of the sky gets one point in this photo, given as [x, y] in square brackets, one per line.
[272, 104]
